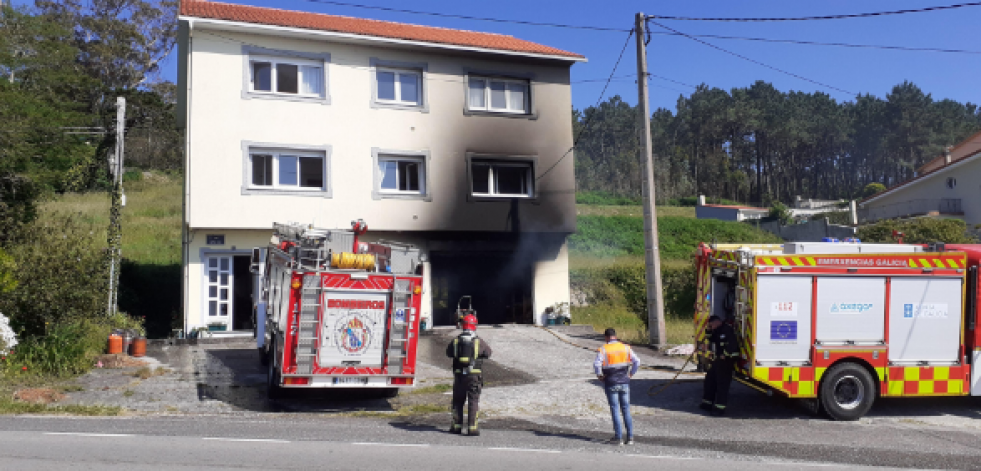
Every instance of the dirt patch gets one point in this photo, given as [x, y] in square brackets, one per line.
[38, 396]
[118, 361]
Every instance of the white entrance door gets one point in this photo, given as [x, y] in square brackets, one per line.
[219, 290]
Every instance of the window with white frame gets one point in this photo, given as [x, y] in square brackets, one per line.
[401, 174]
[502, 178]
[286, 76]
[498, 95]
[287, 170]
[398, 86]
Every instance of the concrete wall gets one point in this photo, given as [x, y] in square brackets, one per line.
[811, 231]
[711, 212]
[220, 120]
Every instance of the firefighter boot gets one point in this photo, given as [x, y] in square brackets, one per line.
[718, 411]
[705, 406]
[457, 429]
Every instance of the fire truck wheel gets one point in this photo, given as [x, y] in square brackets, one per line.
[847, 392]
[273, 391]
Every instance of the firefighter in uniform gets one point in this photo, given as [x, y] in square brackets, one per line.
[467, 351]
[723, 352]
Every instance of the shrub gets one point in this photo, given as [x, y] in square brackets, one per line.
[66, 349]
[873, 189]
[678, 236]
[779, 212]
[606, 199]
[918, 231]
[61, 276]
[625, 284]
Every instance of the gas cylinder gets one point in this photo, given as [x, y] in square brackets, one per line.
[115, 344]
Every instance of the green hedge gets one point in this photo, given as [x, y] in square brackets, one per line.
[606, 199]
[918, 231]
[626, 284]
[611, 236]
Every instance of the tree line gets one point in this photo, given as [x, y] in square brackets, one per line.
[759, 145]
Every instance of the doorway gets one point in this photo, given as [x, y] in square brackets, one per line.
[500, 286]
[228, 291]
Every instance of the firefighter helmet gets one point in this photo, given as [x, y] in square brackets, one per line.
[469, 322]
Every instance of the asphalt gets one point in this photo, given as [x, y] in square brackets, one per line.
[540, 393]
[340, 443]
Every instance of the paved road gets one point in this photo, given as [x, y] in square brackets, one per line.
[220, 443]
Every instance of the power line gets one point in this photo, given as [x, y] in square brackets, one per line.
[825, 17]
[818, 43]
[466, 17]
[713, 46]
[589, 118]
[634, 78]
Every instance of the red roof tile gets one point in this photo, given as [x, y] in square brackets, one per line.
[365, 27]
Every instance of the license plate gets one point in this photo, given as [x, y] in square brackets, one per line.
[354, 381]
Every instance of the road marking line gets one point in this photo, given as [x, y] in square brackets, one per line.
[391, 444]
[78, 434]
[665, 457]
[266, 440]
[524, 449]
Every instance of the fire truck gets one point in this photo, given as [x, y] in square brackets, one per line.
[840, 324]
[334, 312]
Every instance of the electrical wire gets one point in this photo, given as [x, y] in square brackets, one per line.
[466, 17]
[589, 118]
[818, 43]
[825, 17]
[713, 46]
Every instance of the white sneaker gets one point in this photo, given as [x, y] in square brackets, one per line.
[630, 440]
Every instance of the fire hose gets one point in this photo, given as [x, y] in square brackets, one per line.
[678, 372]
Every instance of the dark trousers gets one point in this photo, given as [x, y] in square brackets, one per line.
[466, 388]
[717, 382]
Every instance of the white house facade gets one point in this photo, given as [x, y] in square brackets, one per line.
[455, 141]
[947, 186]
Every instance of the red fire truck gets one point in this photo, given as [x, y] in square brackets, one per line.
[334, 312]
[841, 324]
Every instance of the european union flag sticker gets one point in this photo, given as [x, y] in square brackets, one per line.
[907, 310]
[783, 330]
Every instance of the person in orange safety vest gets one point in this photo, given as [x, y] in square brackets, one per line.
[615, 364]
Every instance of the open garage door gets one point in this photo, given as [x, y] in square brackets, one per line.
[501, 287]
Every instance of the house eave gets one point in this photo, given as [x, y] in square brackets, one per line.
[302, 33]
[920, 179]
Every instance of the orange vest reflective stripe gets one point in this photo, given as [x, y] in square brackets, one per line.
[616, 355]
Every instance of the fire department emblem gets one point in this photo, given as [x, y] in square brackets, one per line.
[353, 335]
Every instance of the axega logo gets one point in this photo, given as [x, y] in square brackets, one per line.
[850, 308]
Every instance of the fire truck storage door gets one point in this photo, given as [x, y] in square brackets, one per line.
[783, 318]
[353, 331]
[925, 319]
[850, 309]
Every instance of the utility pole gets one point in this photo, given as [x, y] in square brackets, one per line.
[652, 254]
[115, 233]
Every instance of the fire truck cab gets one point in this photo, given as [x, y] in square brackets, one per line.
[334, 312]
[845, 323]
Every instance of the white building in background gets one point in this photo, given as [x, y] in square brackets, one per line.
[947, 186]
[455, 141]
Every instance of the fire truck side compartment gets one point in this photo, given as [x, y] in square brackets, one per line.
[783, 319]
[925, 320]
[850, 310]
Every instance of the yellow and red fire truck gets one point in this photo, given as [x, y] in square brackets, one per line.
[845, 323]
[334, 312]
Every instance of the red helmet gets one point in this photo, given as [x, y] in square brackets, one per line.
[469, 322]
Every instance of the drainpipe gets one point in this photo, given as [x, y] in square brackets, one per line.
[186, 216]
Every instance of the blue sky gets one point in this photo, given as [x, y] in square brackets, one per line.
[874, 71]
